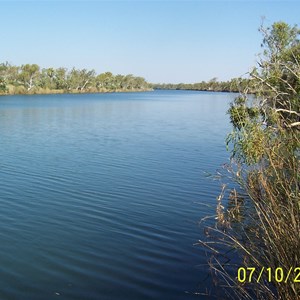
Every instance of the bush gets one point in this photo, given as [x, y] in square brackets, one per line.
[265, 144]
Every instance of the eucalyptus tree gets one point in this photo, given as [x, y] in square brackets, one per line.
[129, 81]
[105, 80]
[87, 78]
[9, 73]
[265, 143]
[60, 78]
[29, 75]
[278, 75]
[119, 82]
[3, 86]
[3, 78]
[139, 83]
[80, 80]
[46, 79]
[30, 78]
[51, 77]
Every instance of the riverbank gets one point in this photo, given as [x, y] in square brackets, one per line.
[30, 79]
[41, 91]
[235, 85]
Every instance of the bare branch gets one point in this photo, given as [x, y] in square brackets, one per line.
[266, 83]
[288, 111]
[294, 124]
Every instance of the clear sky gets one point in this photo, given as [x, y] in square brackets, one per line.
[162, 41]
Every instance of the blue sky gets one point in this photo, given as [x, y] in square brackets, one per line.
[163, 41]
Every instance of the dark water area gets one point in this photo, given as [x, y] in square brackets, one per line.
[100, 194]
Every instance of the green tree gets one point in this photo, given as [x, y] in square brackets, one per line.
[3, 73]
[29, 75]
[3, 87]
[277, 78]
[46, 78]
[30, 79]
[60, 80]
[265, 145]
[9, 73]
[86, 79]
[105, 80]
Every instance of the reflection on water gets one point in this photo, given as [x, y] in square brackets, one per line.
[99, 193]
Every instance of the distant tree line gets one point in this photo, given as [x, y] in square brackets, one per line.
[32, 79]
[234, 85]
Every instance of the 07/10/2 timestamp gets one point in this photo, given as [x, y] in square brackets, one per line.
[269, 274]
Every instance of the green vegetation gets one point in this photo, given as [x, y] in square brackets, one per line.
[262, 221]
[234, 85]
[31, 79]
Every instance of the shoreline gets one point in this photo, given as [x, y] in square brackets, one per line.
[60, 92]
[74, 92]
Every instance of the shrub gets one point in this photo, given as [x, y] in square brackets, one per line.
[265, 143]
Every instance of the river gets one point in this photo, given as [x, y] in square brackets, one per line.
[101, 194]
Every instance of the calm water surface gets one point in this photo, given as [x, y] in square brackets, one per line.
[99, 194]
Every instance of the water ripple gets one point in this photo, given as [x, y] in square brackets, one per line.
[99, 193]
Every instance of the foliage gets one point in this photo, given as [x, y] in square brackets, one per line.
[28, 76]
[234, 85]
[31, 79]
[3, 87]
[265, 145]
